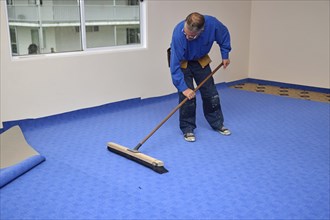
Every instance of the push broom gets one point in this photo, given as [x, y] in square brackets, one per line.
[143, 159]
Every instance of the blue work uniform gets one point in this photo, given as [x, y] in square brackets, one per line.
[190, 52]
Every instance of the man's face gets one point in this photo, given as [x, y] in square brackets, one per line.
[190, 35]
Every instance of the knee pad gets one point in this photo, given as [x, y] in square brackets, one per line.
[211, 104]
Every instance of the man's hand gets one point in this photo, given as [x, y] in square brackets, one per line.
[189, 93]
[226, 63]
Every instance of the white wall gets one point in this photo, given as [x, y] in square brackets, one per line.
[290, 42]
[45, 85]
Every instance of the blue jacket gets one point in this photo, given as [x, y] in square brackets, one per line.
[183, 49]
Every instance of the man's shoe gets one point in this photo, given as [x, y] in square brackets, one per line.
[190, 137]
[224, 131]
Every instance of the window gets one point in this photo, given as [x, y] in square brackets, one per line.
[133, 35]
[73, 25]
[9, 2]
[13, 41]
[34, 36]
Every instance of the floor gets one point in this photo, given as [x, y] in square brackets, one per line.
[275, 165]
[284, 91]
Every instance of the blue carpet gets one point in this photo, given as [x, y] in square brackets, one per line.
[17, 156]
[275, 165]
[11, 173]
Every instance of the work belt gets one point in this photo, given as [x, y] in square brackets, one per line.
[203, 61]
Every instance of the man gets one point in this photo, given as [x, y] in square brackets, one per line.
[191, 42]
[33, 49]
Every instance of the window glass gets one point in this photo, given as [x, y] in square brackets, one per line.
[107, 22]
[55, 26]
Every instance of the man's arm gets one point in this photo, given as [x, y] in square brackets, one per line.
[223, 40]
[177, 55]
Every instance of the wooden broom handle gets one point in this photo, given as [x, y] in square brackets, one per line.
[176, 108]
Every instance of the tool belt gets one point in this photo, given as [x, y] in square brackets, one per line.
[169, 57]
[203, 61]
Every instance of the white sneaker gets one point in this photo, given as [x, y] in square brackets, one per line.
[224, 131]
[190, 137]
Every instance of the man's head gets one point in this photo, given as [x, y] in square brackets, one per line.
[194, 25]
[33, 49]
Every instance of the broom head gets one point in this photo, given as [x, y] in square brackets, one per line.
[134, 155]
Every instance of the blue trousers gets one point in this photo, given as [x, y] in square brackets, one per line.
[210, 96]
